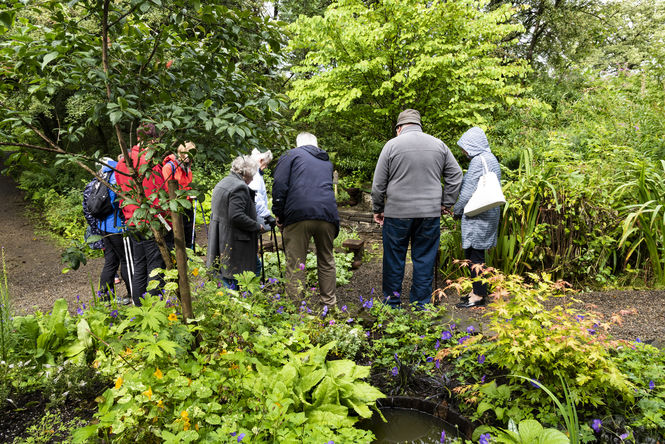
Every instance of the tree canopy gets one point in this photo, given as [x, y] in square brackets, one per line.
[366, 61]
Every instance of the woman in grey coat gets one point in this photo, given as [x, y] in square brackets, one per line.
[479, 233]
[233, 231]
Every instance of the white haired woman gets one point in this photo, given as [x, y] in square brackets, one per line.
[233, 231]
[263, 215]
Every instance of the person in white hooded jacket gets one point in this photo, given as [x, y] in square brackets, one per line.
[479, 233]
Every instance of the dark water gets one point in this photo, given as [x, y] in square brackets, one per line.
[406, 426]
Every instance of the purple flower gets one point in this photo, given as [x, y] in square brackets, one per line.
[591, 331]
[234, 433]
[484, 438]
[580, 317]
[240, 437]
[595, 425]
[481, 359]
[114, 314]
[623, 436]
[372, 291]
[301, 266]
[534, 383]
[344, 308]
[280, 309]
[332, 322]
[79, 311]
[443, 436]
[367, 334]
[470, 329]
[452, 326]
[638, 340]
[349, 320]
[652, 385]
[446, 335]
[462, 339]
[429, 359]
[325, 310]
[438, 363]
[437, 345]
[394, 371]
[482, 380]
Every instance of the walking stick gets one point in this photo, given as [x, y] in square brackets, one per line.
[263, 265]
[194, 229]
[274, 234]
[203, 213]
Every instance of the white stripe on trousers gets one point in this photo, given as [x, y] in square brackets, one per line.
[126, 241]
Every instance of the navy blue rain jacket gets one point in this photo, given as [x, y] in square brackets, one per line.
[303, 187]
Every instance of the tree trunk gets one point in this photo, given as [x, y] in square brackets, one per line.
[181, 257]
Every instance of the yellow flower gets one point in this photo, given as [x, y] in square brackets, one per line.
[173, 317]
[118, 382]
[160, 404]
[148, 392]
[95, 364]
[184, 415]
[195, 272]
[158, 374]
[196, 426]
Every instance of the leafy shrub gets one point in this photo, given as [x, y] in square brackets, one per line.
[541, 344]
[343, 263]
[260, 378]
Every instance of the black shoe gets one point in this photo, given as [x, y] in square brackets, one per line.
[464, 298]
[467, 304]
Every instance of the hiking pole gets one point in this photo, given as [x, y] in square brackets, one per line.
[263, 266]
[279, 265]
[203, 213]
[194, 228]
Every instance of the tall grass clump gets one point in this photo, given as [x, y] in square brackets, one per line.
[644, 224]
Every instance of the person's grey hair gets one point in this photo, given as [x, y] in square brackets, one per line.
[306, 139]
[245, 166]
[259, 156]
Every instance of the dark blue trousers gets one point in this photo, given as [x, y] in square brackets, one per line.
[423, 235]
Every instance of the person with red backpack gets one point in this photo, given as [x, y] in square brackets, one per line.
[178, 167]
[142, 251]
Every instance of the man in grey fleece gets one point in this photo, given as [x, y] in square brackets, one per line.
[407, 201]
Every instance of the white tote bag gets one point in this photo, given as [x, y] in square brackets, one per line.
[488, 194]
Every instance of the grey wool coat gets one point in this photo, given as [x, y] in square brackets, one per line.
[480, 231]
[233, 231]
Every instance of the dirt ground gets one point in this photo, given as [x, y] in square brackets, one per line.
[36, 281]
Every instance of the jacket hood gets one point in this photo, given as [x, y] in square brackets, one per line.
[316, 152]
[112, 164]
[474, 142]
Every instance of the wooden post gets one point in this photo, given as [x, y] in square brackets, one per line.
[181, 257]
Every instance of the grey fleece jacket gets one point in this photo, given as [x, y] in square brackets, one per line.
[479, 232]
[407, 177]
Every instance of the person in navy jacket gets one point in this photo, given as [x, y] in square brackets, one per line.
[305, 207]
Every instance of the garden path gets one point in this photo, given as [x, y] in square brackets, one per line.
[32, 259]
